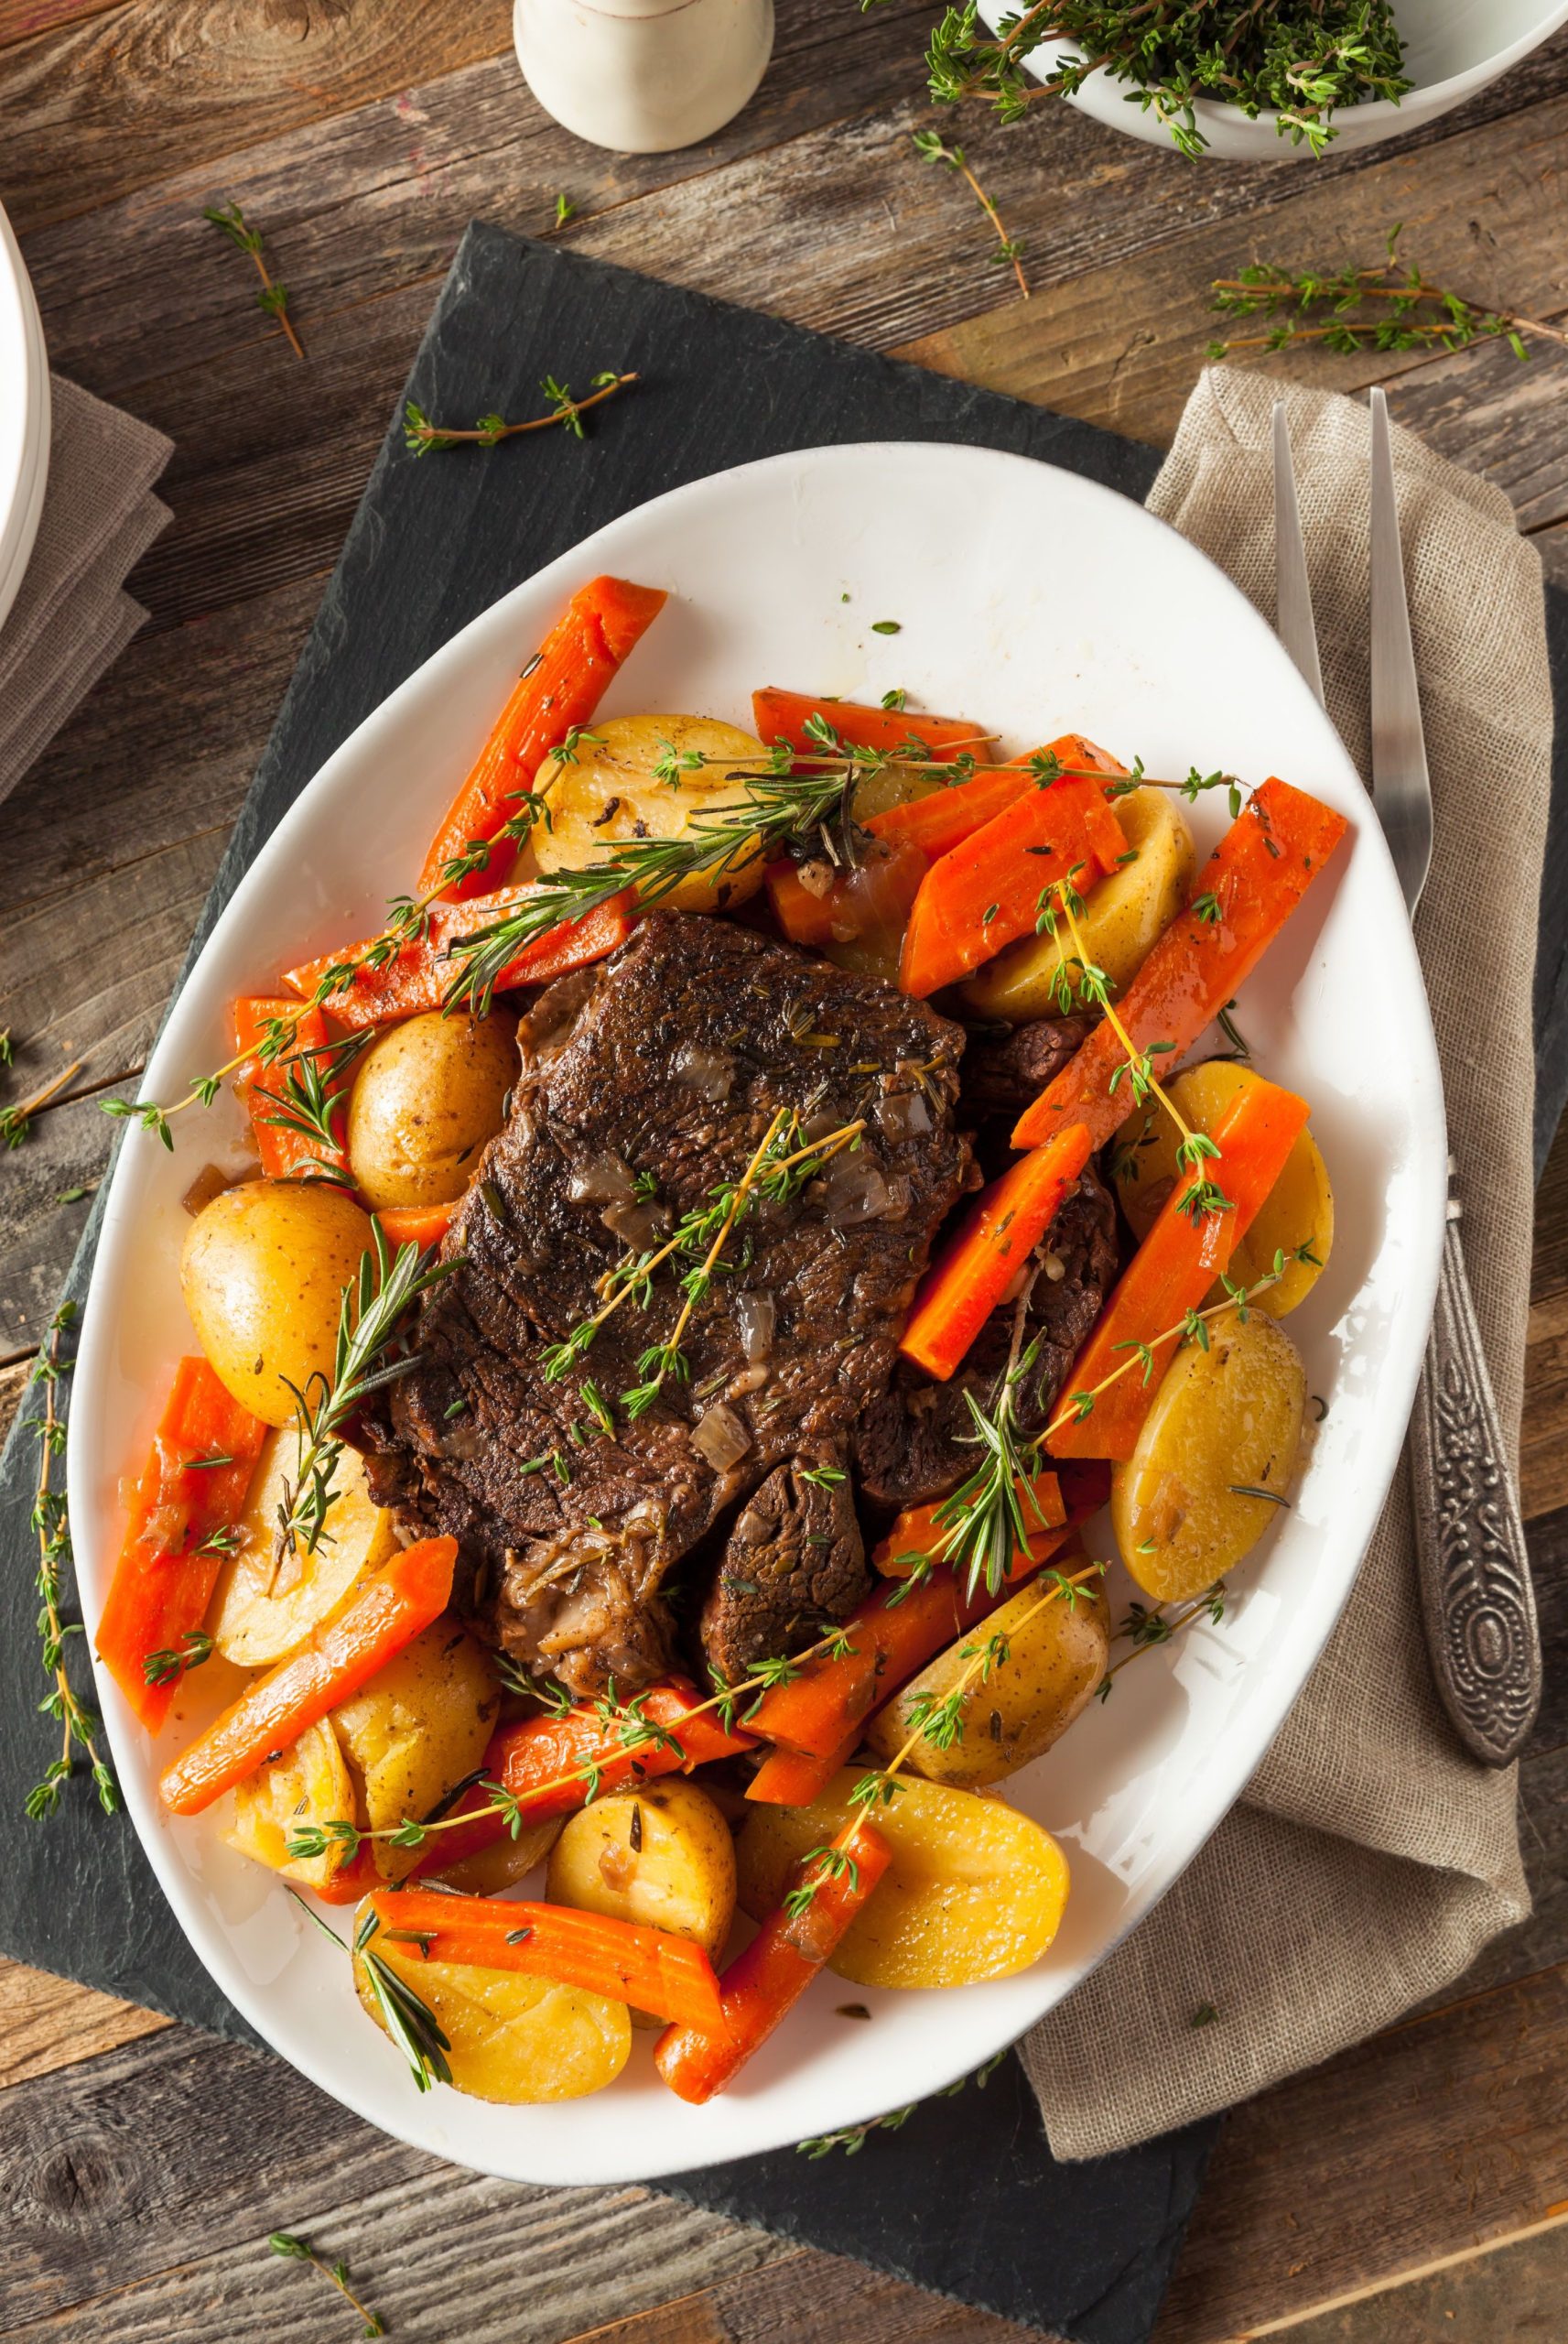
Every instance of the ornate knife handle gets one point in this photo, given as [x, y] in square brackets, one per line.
[1476, 1597]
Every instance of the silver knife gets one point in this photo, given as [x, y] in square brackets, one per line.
[1477, 1602]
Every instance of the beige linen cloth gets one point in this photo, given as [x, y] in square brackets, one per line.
[1369, 1858]
[71, 616]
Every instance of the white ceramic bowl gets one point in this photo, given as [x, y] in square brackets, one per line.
[24, 418]
[1452, 47]
[777, 573]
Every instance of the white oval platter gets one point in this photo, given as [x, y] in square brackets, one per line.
[1037, 602]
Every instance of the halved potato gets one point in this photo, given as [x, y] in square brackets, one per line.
[254, 1626]
[1298, 1210]
[1123, 916]
[611, 795]
[974, 1890]
[519, 2040]
[309, 1783]
[1055, 1656]
[660, 1854]
[1225, 1421]
[418, 1730]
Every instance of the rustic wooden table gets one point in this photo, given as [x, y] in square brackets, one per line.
[1415, 2187]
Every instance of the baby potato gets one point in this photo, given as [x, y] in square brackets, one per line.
[611, 795]
[506, 1863]
[427, 1096]
[516, 2039]
[1123, 916]
[1299, 1210]
[1056, 1659]
[974, 1890]
[661, 1854]
[1225, 1421]
[308, 1784]
[418, 1730]
[262, 1272]
[259, 1614]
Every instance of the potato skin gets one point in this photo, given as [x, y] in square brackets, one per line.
[516, 2039]
[1123, 916]
[661, 1854]
[308, 1784]
[263, 1271]
[599, 801]
[427, 1096]
[1299, 1210]
[1223, 1418]
[254, 1628]
[416, 1730]
[1056, 1657]
[974, 1890]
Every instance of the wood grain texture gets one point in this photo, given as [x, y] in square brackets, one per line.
[49, 2023]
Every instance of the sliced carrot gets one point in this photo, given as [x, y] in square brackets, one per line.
[354, 1877]
[418, 976]
[561, 687]
[1254, 880]
[789, 1778]
[763, 1983]
[785, 716]
[286, 1152]
[1175, 1268]
[916, 1534]
[421, 1225]
[194, 1484]
[944, 821]
[973, 1272]
[650, 1968]
[542, 1762]
[386, 1612]
[987, 891]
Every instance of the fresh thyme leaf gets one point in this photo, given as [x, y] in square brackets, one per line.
[230, 221]
[299, 2250]
[162, 1667]
[1388, 307]
[1009, 252]
[421, 436]
[51, 1527]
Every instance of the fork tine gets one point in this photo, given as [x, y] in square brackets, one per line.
[1293, 620]
[1401, 790]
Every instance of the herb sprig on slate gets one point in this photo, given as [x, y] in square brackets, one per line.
[52, 1525]
[422, 437]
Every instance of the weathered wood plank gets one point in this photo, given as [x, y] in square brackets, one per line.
[1513, 2291]
[24, 19]
[48, 2022]
[845, 2300]
[1440, 2135]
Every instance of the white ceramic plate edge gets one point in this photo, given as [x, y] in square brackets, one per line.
[19, 520]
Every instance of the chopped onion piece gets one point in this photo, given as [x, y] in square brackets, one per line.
[720, 1437]
[755, 1315]
[710, 1072]
[604, 1179]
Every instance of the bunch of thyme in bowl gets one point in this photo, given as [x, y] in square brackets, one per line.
[1299, 59]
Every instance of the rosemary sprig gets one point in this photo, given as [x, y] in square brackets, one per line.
[16, 1122]
[1299, 59]
[421, 437]
[369, 1318]
[1340, 309]
[410, 2021]
[273, 298]
[299, 2250]
[52, 1525]
[931, 148]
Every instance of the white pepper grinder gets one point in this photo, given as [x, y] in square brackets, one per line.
[643, 76]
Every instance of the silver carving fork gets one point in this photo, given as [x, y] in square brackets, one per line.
[1476, 1598]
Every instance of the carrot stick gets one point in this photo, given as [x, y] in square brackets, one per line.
[560, 687]
[789, 1778]
[194, 1484]
[916, 1534]
[284, 1152]
[1175, 1268]
[763, 1983]
[986, 892]
[1257, 875]
[784, 716]
[386, 1613]
[418, 976]
[937, 823]
[417, 1224]
[650, 1968]
[530, 1759]
[973, 1272]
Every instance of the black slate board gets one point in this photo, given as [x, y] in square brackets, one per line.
[966, 2198]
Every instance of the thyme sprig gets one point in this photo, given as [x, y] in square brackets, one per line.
[1299, 59]
[931, 148]
[1386, 307]
[369, 1319]
[299, 2250]
[51, 1527]
[16, 1123]
[273, 298]
[1145, 1629]
[421, 437]
[163, 1666]
[852, 2139]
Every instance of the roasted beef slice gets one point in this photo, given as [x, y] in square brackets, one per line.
[665, 1070]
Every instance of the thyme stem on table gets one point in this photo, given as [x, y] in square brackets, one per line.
[1331, 307]
[299, 2250]
[273, 298]
[930, 147]
[16, 1122]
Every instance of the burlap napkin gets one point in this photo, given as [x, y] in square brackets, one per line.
[1370, 1859]
[70, 617]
